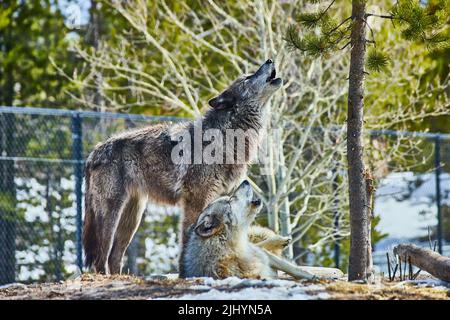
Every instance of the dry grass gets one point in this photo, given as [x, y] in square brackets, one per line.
[342, 290]
[94, 286]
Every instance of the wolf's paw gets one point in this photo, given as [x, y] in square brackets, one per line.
[280, 241]
[284, 241]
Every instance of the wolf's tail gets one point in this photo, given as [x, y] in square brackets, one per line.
[90, 232]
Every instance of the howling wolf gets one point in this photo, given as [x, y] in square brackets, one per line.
[220, 243]
[128, 169]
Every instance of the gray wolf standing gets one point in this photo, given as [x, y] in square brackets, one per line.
[128, 169]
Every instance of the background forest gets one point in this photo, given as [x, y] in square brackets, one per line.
[169, 58]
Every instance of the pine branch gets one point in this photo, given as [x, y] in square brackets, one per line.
[329, 6]
[379, 16]
[339, 25]
[346, 45]
[439, 40]
[376, 60]
[420, 20]
[293, 39]
[371, 32]
[311, 44]
[420, 23]
[311, 20]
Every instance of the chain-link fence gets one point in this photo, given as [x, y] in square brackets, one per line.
[42, 154]
[413, 198]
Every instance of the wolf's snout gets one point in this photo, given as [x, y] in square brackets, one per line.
[267, 75]
[244, 191]
[256, 202]
[265, 69]
[272, 75]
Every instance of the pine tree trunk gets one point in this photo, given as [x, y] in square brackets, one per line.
[359, 220]
[370, 189]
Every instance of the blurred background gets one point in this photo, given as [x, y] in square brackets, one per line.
[72, 73]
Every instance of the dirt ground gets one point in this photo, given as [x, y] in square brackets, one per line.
[90, 286]
[386, 290]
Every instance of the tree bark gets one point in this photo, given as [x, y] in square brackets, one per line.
[428, 260]
[370, 189]
[359, 220]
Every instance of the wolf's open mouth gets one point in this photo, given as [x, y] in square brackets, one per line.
[272, 75]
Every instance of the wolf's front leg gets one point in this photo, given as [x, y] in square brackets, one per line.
[275, 243]
[191, 211]
[280, 264]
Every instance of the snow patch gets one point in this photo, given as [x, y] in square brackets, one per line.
[277, 293]
[234, 288]
[406, 202]
[435, 283]
[13, 285]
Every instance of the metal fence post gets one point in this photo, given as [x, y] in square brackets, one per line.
[77, 156]
[437, 164]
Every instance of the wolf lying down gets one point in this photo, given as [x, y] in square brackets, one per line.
[223, 243]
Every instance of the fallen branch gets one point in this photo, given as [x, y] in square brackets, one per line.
[303, 272]
[425, 259]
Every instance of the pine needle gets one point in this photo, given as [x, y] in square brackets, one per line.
[376, 60]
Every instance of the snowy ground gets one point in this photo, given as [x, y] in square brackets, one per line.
[90, 286]
[249, 289]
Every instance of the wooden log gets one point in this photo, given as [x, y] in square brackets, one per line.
[425, 259]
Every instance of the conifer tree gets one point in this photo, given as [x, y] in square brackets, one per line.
[420, 21]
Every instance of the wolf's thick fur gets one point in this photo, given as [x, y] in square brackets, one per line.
[129, 168]
[223, 243]
[218, 245]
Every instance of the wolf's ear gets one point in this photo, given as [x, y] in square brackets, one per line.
[207, 226]
[223, 101]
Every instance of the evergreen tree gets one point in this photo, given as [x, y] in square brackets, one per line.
[425, 22]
